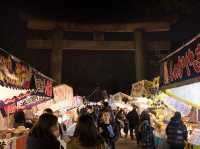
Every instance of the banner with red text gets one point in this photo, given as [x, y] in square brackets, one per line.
[183, 64]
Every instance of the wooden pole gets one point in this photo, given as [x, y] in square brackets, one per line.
[139, 54]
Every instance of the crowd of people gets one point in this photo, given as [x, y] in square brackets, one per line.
[99, 127]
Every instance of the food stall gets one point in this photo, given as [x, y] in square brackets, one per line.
[21, 88]
[180, 80]
[64, 104]
[146, 94]
[145, 88]
[63, 99]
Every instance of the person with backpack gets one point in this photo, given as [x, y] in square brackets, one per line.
[176, 132]
[146, 131]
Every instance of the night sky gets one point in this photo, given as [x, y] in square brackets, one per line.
[85, 70]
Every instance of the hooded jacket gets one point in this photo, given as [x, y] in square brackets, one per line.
[176, 132]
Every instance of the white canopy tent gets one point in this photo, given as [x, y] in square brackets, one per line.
[117, 101]
[141, 103]
[118, 97]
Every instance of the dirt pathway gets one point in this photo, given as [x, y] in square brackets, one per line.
[126, 144]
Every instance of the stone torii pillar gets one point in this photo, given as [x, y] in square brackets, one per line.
[56, 55]
[139, 54]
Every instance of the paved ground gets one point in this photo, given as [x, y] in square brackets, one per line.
[126, 144]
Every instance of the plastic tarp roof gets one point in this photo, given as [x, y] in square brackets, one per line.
[142, 103]
[119, 96]
[188, 93]
[117, 101]
[121, 105]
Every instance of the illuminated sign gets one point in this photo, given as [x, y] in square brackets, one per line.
[184, 64]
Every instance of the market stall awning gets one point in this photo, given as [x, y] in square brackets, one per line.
[121, 100]
[21, 86]
[189, 94]
[121, 96]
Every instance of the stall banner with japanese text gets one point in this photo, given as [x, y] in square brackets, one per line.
[43, 86]
[183, 65]
[145, 88]
[151, 87]
[31, 101]
[13, 72]
[23, 102]
[137, 89]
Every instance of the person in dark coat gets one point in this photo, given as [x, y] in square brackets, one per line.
[176, 132]
[133, 119]
[126, 127]
[120, 117]
[44, 134]
[91, 112]
[20, 120]
[146, 131]
[109, 130]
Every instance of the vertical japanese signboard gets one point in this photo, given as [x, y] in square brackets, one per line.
[43, 86]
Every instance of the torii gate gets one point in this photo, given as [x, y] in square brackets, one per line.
[58, 44]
